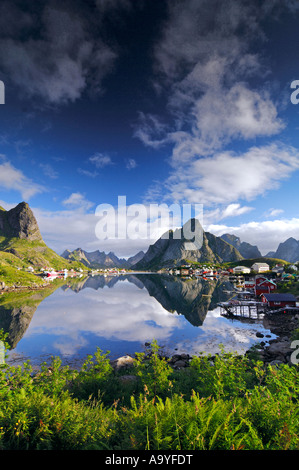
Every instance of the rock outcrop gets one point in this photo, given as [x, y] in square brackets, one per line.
[19, 222]
[246, 249]
[20, 236]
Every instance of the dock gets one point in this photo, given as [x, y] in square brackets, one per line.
[245, 309]
[242, 305]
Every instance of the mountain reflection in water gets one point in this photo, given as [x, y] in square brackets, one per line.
[120, 314]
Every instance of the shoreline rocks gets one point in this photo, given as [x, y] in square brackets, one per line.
[271, 351]
[279, 350]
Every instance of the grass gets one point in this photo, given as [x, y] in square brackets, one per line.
[22, 252]
[226, 403]
[35, 253]
[12, 276]
[16, 255]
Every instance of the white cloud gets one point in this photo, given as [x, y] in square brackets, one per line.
[13, 179]
[100, 160]
[78, 201]
[206, 65]
[227, 177]
[151, 131]
[223, 115]
[67, 229]
[265, 234]
[75, 227]
[131, 230]
[200, 30]
[233, 210]
[215, 215]
[273, 212]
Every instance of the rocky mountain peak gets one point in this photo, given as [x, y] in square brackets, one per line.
[246, 249]
[19, 222]
[190, 243]
[288, 250]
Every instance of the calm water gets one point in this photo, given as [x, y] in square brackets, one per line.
[120, 314]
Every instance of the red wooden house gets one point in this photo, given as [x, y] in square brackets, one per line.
[263, 286]
[279, 300]
[249, 284]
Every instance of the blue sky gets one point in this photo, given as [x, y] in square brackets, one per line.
[158, 101]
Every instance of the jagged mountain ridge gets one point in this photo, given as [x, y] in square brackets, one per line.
[246, 249]
[287, 250]
[99, 259]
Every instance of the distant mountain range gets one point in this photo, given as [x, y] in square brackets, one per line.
[99, 259]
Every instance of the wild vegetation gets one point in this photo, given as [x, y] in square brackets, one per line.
[226, 402]
[289, 287]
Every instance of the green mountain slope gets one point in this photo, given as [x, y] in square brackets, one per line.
[21, 244]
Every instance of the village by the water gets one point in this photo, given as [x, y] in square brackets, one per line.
[255, 287]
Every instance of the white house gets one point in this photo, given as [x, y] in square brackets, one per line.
[260, 267]
[241, 270]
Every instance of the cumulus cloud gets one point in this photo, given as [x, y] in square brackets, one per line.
[60, 62]
[78, 201]
[13, 179]
[233, 210]
[205, 63]
[222, 115]
[77, 228]
[228, 176]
